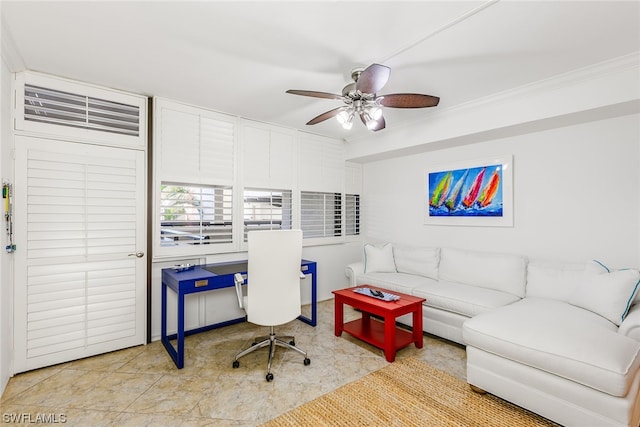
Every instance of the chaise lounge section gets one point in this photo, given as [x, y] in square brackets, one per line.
[562, 340]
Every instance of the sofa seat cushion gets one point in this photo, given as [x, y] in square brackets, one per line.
[399, 282]
[558, 338]
[453, 297]
[462, 299]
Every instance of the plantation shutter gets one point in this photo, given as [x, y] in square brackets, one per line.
[68, 109]
[196, 145]
[196, 152]
[321, 214]
[352, 215]
[73, 111]
[84, 215]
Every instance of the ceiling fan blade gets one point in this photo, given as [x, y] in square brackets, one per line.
[408, 100]
[380, 123]
[373, 78]
[314, 94]
[325, 116]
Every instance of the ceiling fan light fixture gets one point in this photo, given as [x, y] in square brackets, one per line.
[369, 121]
[372, 124]
[375, 112]
[343, 117]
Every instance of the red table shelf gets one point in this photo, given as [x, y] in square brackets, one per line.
[384, 335]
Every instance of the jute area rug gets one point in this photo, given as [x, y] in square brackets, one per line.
[408, 392]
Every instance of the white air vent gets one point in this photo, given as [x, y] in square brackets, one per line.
[68, 109]
[79, 112]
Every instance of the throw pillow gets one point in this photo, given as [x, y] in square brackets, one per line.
[597, 267]
[379, 259]
[609, 294]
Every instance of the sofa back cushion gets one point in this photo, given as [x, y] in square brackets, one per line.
[556, 280]
[553, 280]
[418, 261]
[502, 272]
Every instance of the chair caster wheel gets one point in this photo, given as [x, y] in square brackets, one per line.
[307, 361]
[292, 342]
[236, 364]
[269, 377]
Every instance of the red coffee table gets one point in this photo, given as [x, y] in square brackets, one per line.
[384, 335]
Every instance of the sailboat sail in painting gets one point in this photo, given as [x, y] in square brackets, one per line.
[477, 192]
[489, 190]
[454, 198]
[473, 192]
[441, 191]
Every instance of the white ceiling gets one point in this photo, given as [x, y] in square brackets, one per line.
[240, 57]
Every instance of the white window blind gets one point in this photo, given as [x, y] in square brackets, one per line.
[195, 215]
[321, 214]
[267, 210]
[352, 214]
[57, 107]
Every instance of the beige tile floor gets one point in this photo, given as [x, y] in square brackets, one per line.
[141, 386]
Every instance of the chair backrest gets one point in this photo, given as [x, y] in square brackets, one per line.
[273, 286]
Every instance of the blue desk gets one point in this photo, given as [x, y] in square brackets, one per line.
[209, 277]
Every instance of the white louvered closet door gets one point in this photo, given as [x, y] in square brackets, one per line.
[80, 289]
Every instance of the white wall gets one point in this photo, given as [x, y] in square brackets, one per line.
[576, 195]
[6, 324]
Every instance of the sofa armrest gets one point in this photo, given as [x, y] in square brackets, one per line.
[630, 326]
[353, 270]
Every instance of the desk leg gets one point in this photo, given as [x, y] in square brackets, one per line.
[163, 313]
[417, 326]
[180, 337]
[163, 331]
[390, 338]
[313, 321]
[339, 319]
[314, 298]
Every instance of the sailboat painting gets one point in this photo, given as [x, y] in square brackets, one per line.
[476, 191]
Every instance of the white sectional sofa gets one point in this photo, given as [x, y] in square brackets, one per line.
[562, 340]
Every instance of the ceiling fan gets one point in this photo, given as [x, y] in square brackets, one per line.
[361, 98]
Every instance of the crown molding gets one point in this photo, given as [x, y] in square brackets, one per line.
[8, 49]
[564, 80]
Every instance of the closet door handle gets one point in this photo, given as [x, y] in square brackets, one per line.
[138, 254]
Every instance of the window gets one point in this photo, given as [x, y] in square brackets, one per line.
[321, 214]
[195, 215]
[352, 215]
[266, 210]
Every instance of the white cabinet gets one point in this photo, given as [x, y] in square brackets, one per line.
[194, 145]
[269, 156]
[322, 165]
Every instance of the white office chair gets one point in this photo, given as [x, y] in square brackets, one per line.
[273, 288]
